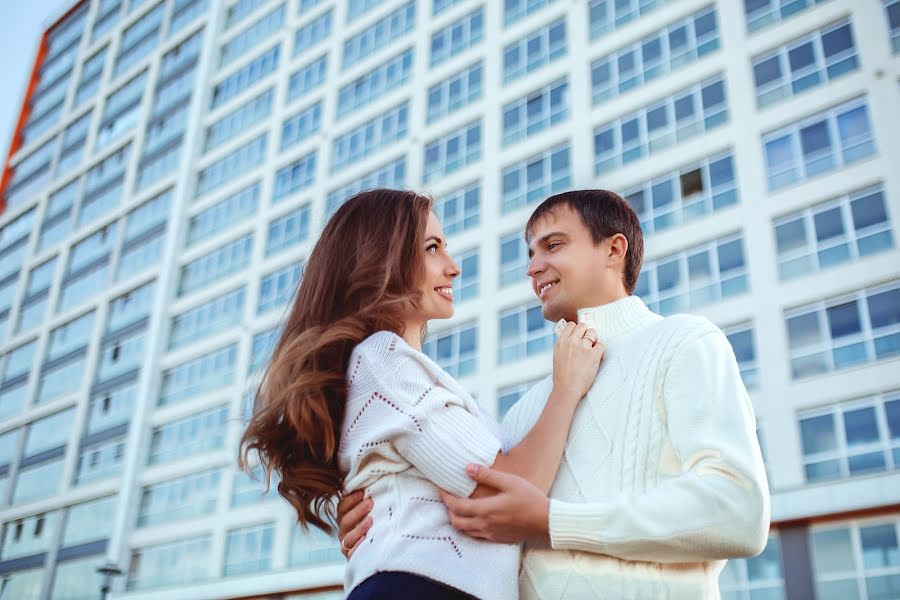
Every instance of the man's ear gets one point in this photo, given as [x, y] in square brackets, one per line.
[618, 249]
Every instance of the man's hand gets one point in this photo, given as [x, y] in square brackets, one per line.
[353, 521]
[518, 512]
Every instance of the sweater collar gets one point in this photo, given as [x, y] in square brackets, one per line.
[618, 318]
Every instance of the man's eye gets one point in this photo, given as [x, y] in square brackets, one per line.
[553, 245]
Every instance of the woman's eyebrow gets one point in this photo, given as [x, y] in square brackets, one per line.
[436, 239]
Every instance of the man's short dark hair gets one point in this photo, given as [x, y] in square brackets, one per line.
[605, 214]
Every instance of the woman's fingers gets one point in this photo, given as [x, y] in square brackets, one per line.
[353, 539]
[351, 511]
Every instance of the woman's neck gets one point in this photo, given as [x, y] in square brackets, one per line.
[412, 334]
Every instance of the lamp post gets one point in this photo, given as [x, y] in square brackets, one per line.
[109, 570]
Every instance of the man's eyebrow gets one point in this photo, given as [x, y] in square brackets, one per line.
[543, 240]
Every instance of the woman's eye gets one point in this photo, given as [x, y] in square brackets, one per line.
[432, 249]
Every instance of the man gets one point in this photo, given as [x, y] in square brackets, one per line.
[662, 477]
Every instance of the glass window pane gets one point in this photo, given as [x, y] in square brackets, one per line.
[879, 546]
[832, 551]
[829, 224]
[884, 308]
[818, 434]
[860, 426]
[790, 235]
[868, 210]
[843, 319]
[731, 256]
[767, 71]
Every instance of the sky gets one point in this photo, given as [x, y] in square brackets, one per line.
[21, 25]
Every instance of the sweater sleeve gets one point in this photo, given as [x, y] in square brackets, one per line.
[717, 507]
[441, 435]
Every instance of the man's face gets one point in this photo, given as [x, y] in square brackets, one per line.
[567, 270]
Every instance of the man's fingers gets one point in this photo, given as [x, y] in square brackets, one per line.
[355, 536]
[353, 517]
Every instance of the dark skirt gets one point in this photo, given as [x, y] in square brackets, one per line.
[396, 585]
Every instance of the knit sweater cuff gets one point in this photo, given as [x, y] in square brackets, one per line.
[452, 438]
[574, 525]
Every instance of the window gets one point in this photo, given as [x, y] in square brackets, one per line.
[140, 255]
[307, 78]
[313, 547]
[524, 333]
[262, 347]
[241, 119]
[537, 111]
[686, 194]
[262, 29]
[72, 336]
[208, 318]
[851, 438]
[240, 10]
[391, 175]
[278, 287]
[519, 9]
[49, 433]
[31, 174]
[535, 50]
[73, 143]
[19, 360]
[457, 37]
[288, 230]
[250, 490]
[692, 278]
[121, 111]
[301, 126]
[139, 39]
[191, 435]
[77, 578]
[439, 6]
[452, 152]
[534, 179]
[216, 265]
[312, 33]
[509, 395]
[757, 577]
[455, 92]
[245, 77]
[249, 550]
[61, 379]
[222, 215]
[819, 144]
[151, 566]
[232, 165]
[25, 584]
[294, 177]
[181, 57]
[107, 16]
[373, 84]
[606, 16]
[83, 286]
[460, 209]
[680, 117]
[357, 8]
[844, 331]
[856, 560]
[30, 535]
[742, 342]
[841, 230]
[39, 481]
[92, 248]
[763, 13]
[103, 187]
[100, 461]
[89, 521]
[177, 499]
[805, 63]
[91, 73]
[678, 44]
[892, 12]
[184, 12]
[466, 285]
[131, 307]
[111, 407]
[199, 375]
[380, 35]
[121, 354]
[371, 136]
[513, 259]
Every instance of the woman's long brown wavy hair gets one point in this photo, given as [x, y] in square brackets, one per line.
[361, 277]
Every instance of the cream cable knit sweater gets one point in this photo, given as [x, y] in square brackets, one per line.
[409, 429]
[662, 476]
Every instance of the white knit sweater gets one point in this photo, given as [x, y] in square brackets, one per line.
[408, 430]
[662, 475]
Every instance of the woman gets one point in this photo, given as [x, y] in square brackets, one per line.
[349, 402]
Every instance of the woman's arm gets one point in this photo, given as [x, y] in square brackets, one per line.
[536, 458]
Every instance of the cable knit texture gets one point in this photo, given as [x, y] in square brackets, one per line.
[409, 429]
[662, 477]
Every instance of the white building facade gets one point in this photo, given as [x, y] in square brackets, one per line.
[176, 159]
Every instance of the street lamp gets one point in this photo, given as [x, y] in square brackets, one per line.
[109, 570]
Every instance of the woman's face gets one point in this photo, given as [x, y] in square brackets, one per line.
[440, 269]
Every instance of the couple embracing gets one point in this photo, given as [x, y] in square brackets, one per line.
[633, 471]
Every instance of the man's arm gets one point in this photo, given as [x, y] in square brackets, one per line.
[717, 507]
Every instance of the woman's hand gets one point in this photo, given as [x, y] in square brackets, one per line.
[576, 359]
[353, 521]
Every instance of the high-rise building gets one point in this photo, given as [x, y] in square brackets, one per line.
[175, 159]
